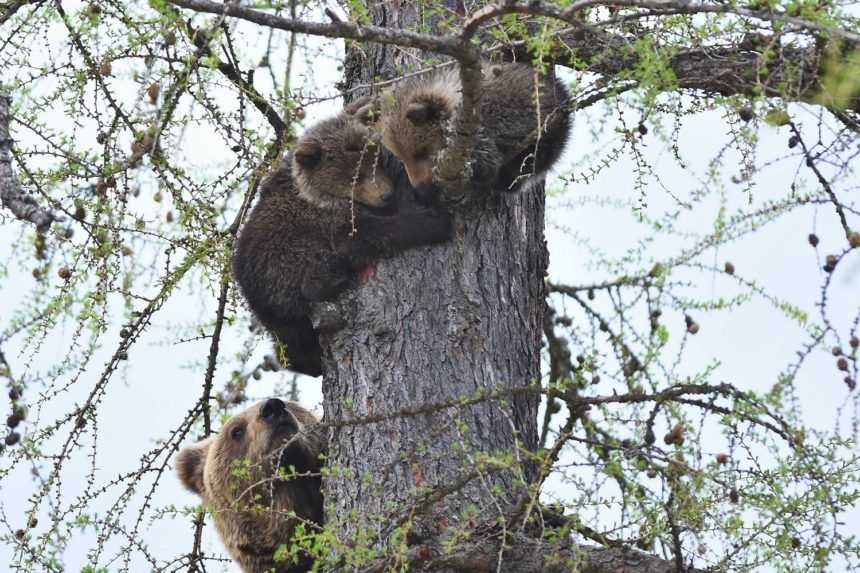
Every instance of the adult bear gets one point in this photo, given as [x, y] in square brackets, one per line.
[259, 478]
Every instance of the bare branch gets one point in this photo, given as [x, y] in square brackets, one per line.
[715, 70]
[441, 44]
[810, 162]
[537, 8]
[452, 166]
[526, 555]
[198, 37]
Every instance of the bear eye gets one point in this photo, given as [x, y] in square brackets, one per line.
[237, 433]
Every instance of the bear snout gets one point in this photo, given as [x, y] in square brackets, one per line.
[273, 411]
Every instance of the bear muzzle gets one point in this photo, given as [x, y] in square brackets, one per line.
[274, 412]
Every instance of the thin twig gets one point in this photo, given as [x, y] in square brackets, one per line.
[810, 162]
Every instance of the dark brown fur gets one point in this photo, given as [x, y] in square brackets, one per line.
[239, 474]
[293, 252]
[511, 148]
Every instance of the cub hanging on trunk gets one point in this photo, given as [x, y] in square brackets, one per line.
[524, 126]
[333, 207]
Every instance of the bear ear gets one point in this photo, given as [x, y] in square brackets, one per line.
[356, 105]
[190, 464]
[419, 112]
[368, 113]
[363, 108]
[307, 153]
[423, 111]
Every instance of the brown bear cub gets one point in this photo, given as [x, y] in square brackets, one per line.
[524, 127]
[259, 478]
[325, 215]
[340, 158]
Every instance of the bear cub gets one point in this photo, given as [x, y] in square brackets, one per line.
[524, 127]
[243, 475]
[334, 206]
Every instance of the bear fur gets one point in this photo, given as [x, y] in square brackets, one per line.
[511, 149]
[340, 158]
[244, 477]
[310, 235]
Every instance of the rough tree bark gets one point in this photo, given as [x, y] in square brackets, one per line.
[12, 196]
[434, 325]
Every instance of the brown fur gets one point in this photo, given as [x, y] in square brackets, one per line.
[293, 252]
[508, 154]
[339, 158]
[254, 510]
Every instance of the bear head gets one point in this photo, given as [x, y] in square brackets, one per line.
[413, 119]
[339, 159]
[259, 478]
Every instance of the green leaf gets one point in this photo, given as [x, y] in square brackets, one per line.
[777, 117]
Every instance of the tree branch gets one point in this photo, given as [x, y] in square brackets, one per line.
[447, 45]
[714, 70]
[524, 554]
[569, 15]
[12, 195]
[810, 162]
[452, 167]
[11, 8]
[792, 73]
[231, 72]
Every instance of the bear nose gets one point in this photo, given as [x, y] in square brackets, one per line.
[272, 410]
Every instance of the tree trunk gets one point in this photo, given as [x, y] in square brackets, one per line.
[12, 196]
[435, 325]
[426, 484]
